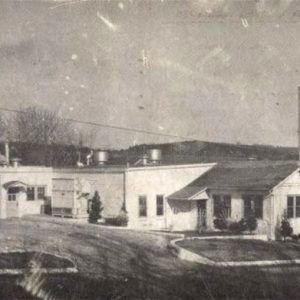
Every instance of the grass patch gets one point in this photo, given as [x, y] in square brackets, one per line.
[120, 264]
[23, 260]
[241, 250]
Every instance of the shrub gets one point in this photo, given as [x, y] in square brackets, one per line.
[285, 228]
[295, 237]
[220, 223]
[234, 227]
[95, 209]
[238, 227]
[119, 220]
[251, 223]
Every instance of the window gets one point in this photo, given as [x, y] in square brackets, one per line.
[36, 193]
[293, 206]
[41, 191]
[12, 193]
[253, 204]
[222, 206]
[30, 193]
[159, 205]
[142, 206]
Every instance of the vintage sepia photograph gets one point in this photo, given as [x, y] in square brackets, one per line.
[149, 149]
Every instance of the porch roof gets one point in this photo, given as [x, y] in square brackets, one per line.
[14, 183]
[245, 176]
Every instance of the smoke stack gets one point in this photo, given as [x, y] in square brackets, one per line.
[299, 125]
[7, 152]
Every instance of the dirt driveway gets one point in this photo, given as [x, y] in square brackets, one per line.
[122, 264]
[98, 252]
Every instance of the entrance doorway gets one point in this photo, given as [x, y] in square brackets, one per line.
[202, 215]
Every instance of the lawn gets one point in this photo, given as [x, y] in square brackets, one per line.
[121, 264]
[23, 260]
[241, 249]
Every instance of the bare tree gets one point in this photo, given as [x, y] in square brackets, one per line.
[42, 136]
[36, 125]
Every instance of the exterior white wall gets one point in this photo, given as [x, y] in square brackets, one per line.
[161, 180]
[237, 208]
[110, 186]
[289, 187]
[183, 215]
[30, 176]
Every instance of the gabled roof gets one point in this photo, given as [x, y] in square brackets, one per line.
[251, 175]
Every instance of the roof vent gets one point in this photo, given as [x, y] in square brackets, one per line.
[155, 156]
[100, 157]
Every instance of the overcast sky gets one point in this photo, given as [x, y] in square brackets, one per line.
[215, 70]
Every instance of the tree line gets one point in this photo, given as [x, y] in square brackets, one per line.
[41, 136]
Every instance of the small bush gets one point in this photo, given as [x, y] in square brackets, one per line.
[95, 209]
[251, 223]
[220, 223]
[238, 227]
[234, 227]
[295, 237]
[285, 228]
[119, 220]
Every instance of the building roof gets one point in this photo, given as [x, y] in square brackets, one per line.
[251, 175]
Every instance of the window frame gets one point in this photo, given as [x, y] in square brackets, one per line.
[256, 205]
[160, 206]
[12, 196]
[36, 192]
[30, 187]
[227, 207]
[140, 208]
[294, 208]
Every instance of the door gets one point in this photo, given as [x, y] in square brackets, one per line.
[202, 215]
[14, 195]
[63, 197]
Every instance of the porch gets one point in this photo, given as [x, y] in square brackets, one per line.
[190, 213]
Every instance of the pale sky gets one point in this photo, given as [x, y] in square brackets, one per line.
[214, 70]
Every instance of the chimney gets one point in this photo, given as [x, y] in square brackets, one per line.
[299, 125]
[7, 152]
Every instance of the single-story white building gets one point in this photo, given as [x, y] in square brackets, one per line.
[24, 190]
[269, 189]
[168, 197]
